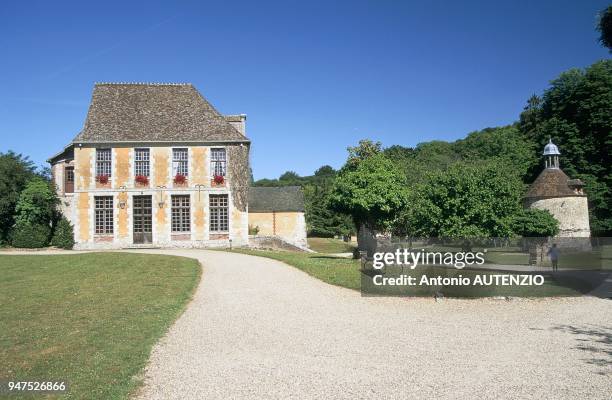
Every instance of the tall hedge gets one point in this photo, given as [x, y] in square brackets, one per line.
[30, 236]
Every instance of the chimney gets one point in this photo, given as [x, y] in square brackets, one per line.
[238, 122]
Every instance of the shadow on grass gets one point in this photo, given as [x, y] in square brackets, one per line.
[595, 340]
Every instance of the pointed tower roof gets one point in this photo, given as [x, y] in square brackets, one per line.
[552, 181]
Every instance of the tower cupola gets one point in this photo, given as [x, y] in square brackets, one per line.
[551, 155]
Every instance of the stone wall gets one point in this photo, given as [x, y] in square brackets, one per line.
[571, 212]
[290, 226]
[79, 207]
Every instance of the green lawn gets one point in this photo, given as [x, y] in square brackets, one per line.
[90, 319]
[335, 270]
[329, 245]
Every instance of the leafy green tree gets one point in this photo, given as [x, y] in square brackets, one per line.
[370, 187]
[605, 28]
[464, 201]
[37, 203]
[575, 112]
[535, 223]
[15, 171]
[505, 145]
[290, 178]
[364, 150]
[325, 171]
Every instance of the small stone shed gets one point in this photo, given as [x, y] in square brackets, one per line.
[278, 211]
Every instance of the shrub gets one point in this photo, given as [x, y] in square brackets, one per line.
[253, 230]
[102, 179]
[30, 236]
[180, 179]
[321, 232]
[63, 236]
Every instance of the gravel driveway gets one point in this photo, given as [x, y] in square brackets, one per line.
[258, 328]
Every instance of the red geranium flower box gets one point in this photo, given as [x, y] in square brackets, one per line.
[142, 179]
[219, 179]
[103, 179]
[180, 179]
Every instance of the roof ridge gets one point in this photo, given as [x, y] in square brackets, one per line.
[145, 83]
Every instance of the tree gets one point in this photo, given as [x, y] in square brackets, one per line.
[325, 172]
[575, 112]
[15, 171]
[464, 201]
[37, 203]
[365, 149]
[370, 188]
[289, 177]
[605, 28]
[535, 226]
[534, 223]
[503, 145]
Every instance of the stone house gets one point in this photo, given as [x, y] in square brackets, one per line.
[155, 164]
[564, 198]
[278, 211]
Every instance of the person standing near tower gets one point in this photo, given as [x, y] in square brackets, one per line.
[553, 253]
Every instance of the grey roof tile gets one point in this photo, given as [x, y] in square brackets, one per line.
[552, 182]
[145, 112]
[268, 199]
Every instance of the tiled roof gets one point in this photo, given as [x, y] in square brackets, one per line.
[149, 112]
[552, 182]
[268, 199]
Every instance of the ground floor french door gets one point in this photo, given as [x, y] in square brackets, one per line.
[142, 220]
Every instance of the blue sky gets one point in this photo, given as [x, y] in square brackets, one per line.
[313, 77]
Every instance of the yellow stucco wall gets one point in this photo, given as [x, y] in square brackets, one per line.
[83, 214]
[199, 166]
[285, 225]
[263, 221]
[123, 228]
[199, 215]
[160, 215]
[161, 164]
[237, 226]
[122, 166]
[82, 167]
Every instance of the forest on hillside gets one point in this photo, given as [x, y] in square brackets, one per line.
[472, 186]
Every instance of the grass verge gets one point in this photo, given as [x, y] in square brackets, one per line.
[334, 270]
[329, 245]
[90, 319]
[346, 273]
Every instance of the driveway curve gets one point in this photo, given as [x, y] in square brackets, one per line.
[258, 328]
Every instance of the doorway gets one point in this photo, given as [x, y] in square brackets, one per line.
[142, 220]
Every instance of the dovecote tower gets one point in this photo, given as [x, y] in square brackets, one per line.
[563, 197]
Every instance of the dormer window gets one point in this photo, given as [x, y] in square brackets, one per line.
[218, 162]
[141, 162]
[103, 162]
[180, 162]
